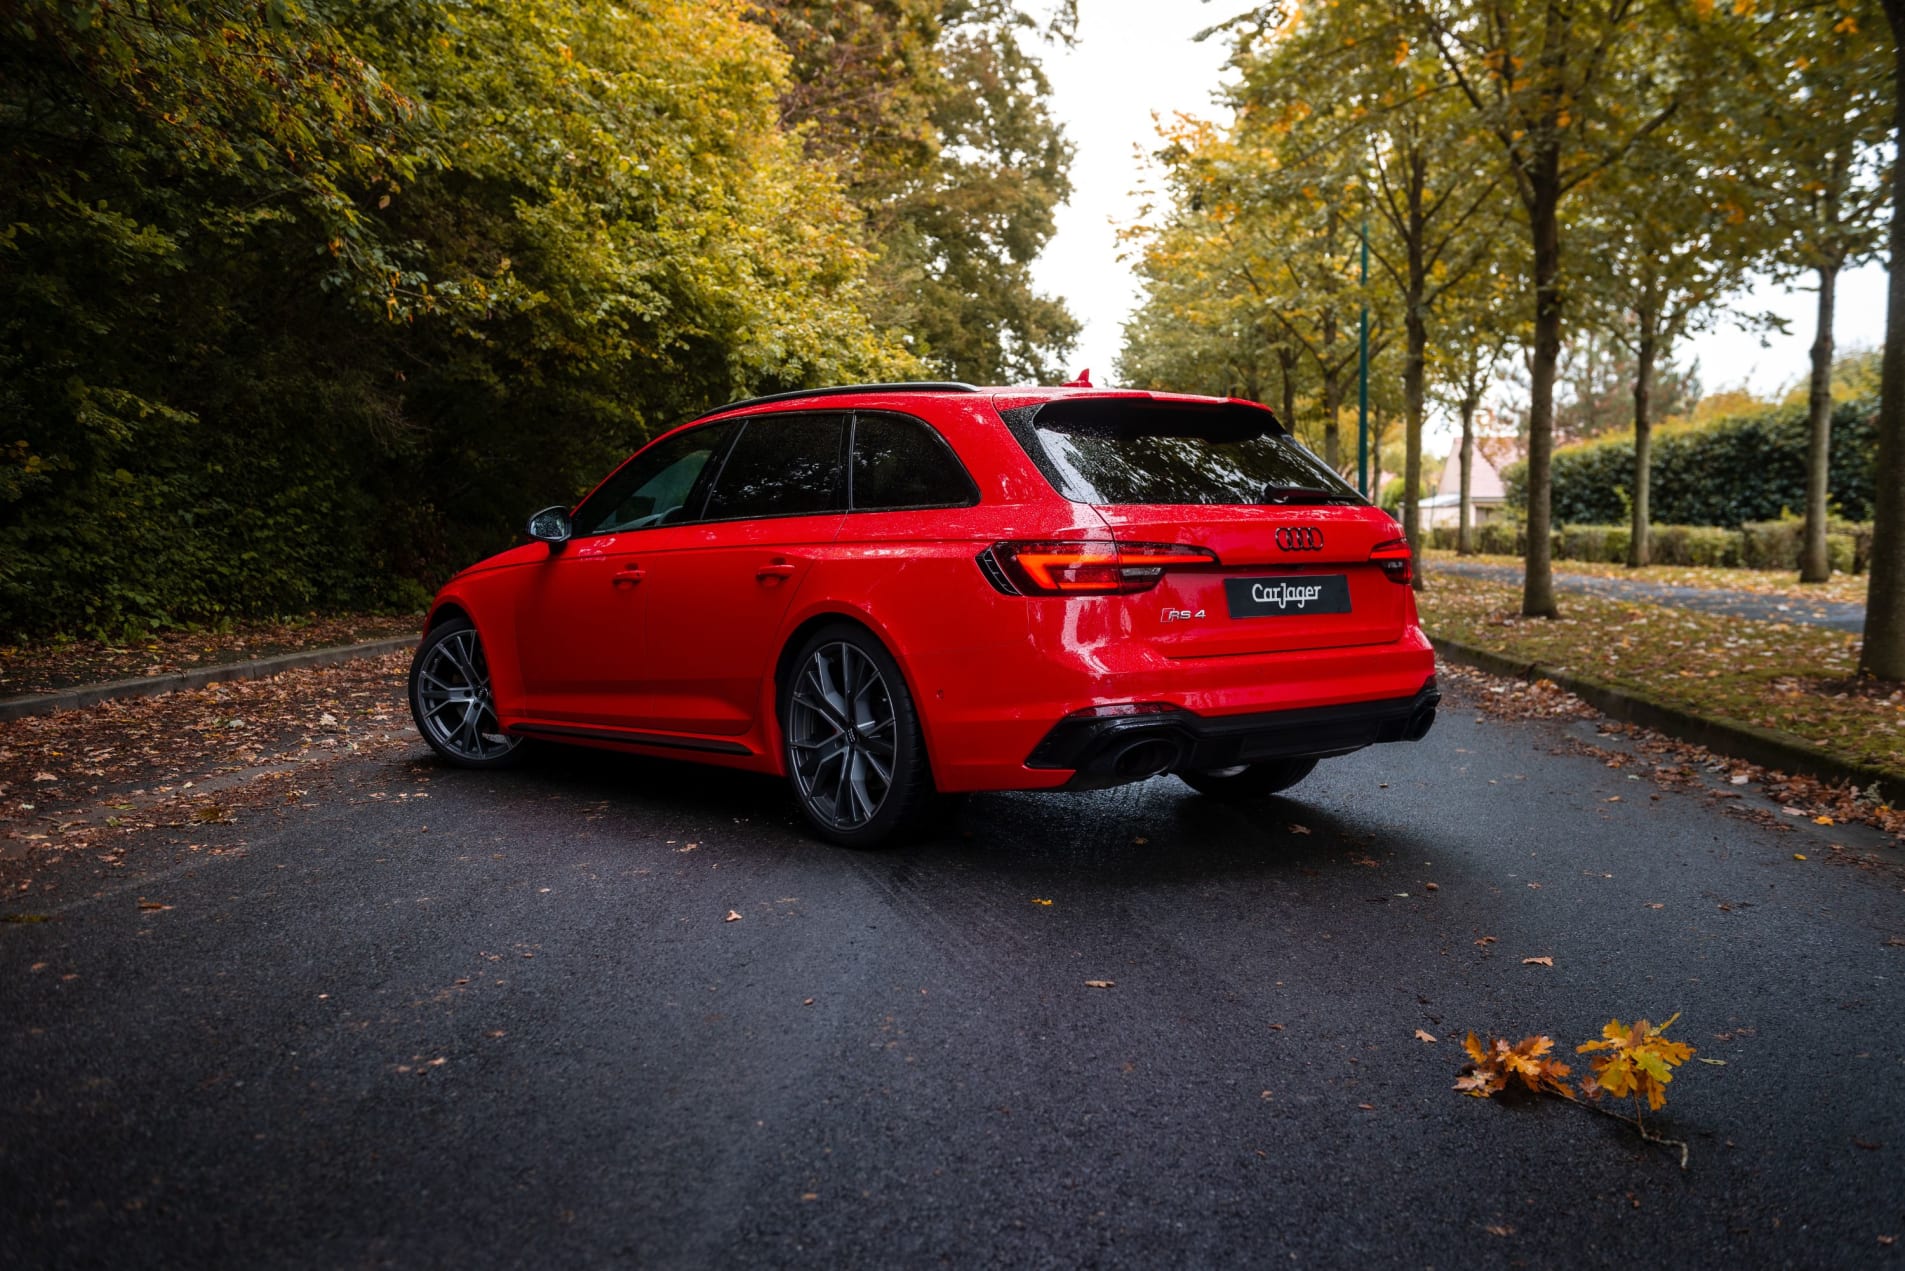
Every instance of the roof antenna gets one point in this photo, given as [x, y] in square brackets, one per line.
[1083, 380]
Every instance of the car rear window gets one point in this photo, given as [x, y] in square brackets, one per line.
[1139, 450]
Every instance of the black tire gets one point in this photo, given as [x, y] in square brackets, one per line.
[450, 699]
[1249, 781]
[842, 701]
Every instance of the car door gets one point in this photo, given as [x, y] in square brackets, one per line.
[579, 630]
[717, 590]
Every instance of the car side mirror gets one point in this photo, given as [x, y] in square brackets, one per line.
[551, 526]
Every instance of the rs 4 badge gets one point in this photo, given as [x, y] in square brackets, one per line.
[1181, 615]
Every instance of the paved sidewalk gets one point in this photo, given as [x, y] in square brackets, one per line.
[1839, 615]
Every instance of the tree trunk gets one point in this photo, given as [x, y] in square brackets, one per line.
[1814, 565]
[1883, 654]
[1637, 545]
[1544, 223]
[1412, 366]
[1464, 541]
[1332, 395]
[1286, 363]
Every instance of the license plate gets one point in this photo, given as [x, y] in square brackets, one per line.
[1287, 597]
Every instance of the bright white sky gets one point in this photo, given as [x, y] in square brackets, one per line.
[1137, 58]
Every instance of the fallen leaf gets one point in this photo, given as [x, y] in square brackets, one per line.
[152, 904]
[1866, 1144]
[1140, 841]
[1485, 941]
[44, 776]
[1541, 961]
[1639, 1061]
[734, 915]
[1423, 1036]
[327, 718]
[805, 1196]
[1717, 1063]
[1039, 900]
[1614, 799]
[807, 1001]
[1367, 1107]
[1738, 779]
[1100, 984]
[1822, 820]
[1799, 856]
[1299, 829]
[1430, 887]
[1499, 1229]
[1491, 1064]
[1655, 905]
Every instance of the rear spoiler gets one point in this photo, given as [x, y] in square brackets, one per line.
[1153, 415]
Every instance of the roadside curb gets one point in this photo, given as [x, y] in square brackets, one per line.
[197, 677]
[1766, 747]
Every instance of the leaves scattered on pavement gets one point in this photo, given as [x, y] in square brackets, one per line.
[1635, 1062]
[54, 665]
[189, 760]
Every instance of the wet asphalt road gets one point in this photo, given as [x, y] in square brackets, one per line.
[527, 1036]
[1840, 615]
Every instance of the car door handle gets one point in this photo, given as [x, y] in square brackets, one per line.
[775, 569]
[627, 577]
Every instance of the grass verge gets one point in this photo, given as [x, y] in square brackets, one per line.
[1847, 588]
[1798, 680]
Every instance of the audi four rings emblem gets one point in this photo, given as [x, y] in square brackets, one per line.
[1299, 538]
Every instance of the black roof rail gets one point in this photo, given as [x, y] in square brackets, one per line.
[920, 386]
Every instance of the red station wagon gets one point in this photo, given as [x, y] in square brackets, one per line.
[890, 591]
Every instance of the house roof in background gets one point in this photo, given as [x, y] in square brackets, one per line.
[1484, 483]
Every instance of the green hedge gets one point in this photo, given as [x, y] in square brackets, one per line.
[1742, 468]
[1759, 545]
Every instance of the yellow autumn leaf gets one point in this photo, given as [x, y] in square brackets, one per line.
[1639, 1060]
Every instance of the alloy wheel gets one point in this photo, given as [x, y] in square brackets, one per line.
[841, 729]
[454, 702]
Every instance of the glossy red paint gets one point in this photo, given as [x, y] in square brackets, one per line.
[667, 640]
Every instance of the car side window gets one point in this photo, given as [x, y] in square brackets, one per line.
[901, 463]
[782, 465]
[658, 486]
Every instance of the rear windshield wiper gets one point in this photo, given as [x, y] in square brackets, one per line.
[1306, 494]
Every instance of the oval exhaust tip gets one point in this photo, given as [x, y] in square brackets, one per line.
[1147, 758]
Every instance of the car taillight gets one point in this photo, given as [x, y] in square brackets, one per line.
[1086, 567]
[1398, 566]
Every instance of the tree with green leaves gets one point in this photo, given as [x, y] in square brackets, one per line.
[1566, 91]
[301, 301]
[1670, 239]
[933, 114]
[1816, 126]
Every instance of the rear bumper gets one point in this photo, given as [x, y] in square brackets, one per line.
[986, 709]
[1107, 752]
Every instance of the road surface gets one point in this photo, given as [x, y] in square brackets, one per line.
[422, 1017]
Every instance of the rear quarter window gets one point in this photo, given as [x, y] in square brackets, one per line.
[901, 463]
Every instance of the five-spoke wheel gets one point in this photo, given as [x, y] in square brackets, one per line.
[852, 739]
[451, 700]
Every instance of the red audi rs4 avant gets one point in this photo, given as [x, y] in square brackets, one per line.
[891, 591]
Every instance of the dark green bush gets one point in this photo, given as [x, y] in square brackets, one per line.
[1744, 468]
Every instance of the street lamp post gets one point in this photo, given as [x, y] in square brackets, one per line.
[1362, 379]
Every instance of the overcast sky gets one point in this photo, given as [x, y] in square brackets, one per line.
[1138, 58]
